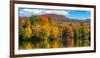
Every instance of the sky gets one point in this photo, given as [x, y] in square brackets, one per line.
[71, 14]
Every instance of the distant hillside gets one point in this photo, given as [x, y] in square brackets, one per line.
[57, 18]
[62, 19]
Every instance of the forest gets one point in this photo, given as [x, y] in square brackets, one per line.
[40, 31]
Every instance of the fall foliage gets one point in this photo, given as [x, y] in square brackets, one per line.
[42, 32]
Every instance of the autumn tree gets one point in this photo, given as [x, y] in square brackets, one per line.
[51, 20]
[70, 36]
[76, 37]
[82, 32]
[86, 35]
[25, 32]
[53, 38]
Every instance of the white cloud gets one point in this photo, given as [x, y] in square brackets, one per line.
[44, 11]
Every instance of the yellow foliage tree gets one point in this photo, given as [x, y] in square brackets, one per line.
[27, 31]
[27, 45]
[53, 38]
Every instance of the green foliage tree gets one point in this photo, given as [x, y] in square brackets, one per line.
[34, 19]
[76, 37]
[44, 38]
[83, 35]
[64, 40]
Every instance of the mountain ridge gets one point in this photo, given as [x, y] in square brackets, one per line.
[61, 18]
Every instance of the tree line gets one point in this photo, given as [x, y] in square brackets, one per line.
[43, 32]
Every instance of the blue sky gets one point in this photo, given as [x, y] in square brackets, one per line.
[72, 14]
